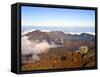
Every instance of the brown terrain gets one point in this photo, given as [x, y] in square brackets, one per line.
[66, 56]
[58, 58]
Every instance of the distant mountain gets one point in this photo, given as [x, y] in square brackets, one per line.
[58, 37]
[87, 37]
[81, 37]
[50, 37]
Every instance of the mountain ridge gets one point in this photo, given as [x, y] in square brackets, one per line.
[61, 35]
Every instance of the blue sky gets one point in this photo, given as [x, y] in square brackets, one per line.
[55, 17]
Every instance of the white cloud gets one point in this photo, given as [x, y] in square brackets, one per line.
[63, 23]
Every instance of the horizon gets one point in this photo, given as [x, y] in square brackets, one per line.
[64, 29]
[73, 33]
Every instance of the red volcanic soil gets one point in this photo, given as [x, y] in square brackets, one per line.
[67, 59]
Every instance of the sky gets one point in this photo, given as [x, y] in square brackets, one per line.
[55, 18]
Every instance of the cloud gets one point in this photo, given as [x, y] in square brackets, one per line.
[35, 47]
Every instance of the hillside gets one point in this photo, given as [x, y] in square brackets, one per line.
[67, 59]
[56, 50]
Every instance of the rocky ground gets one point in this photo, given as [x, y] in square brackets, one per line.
[66, 59]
